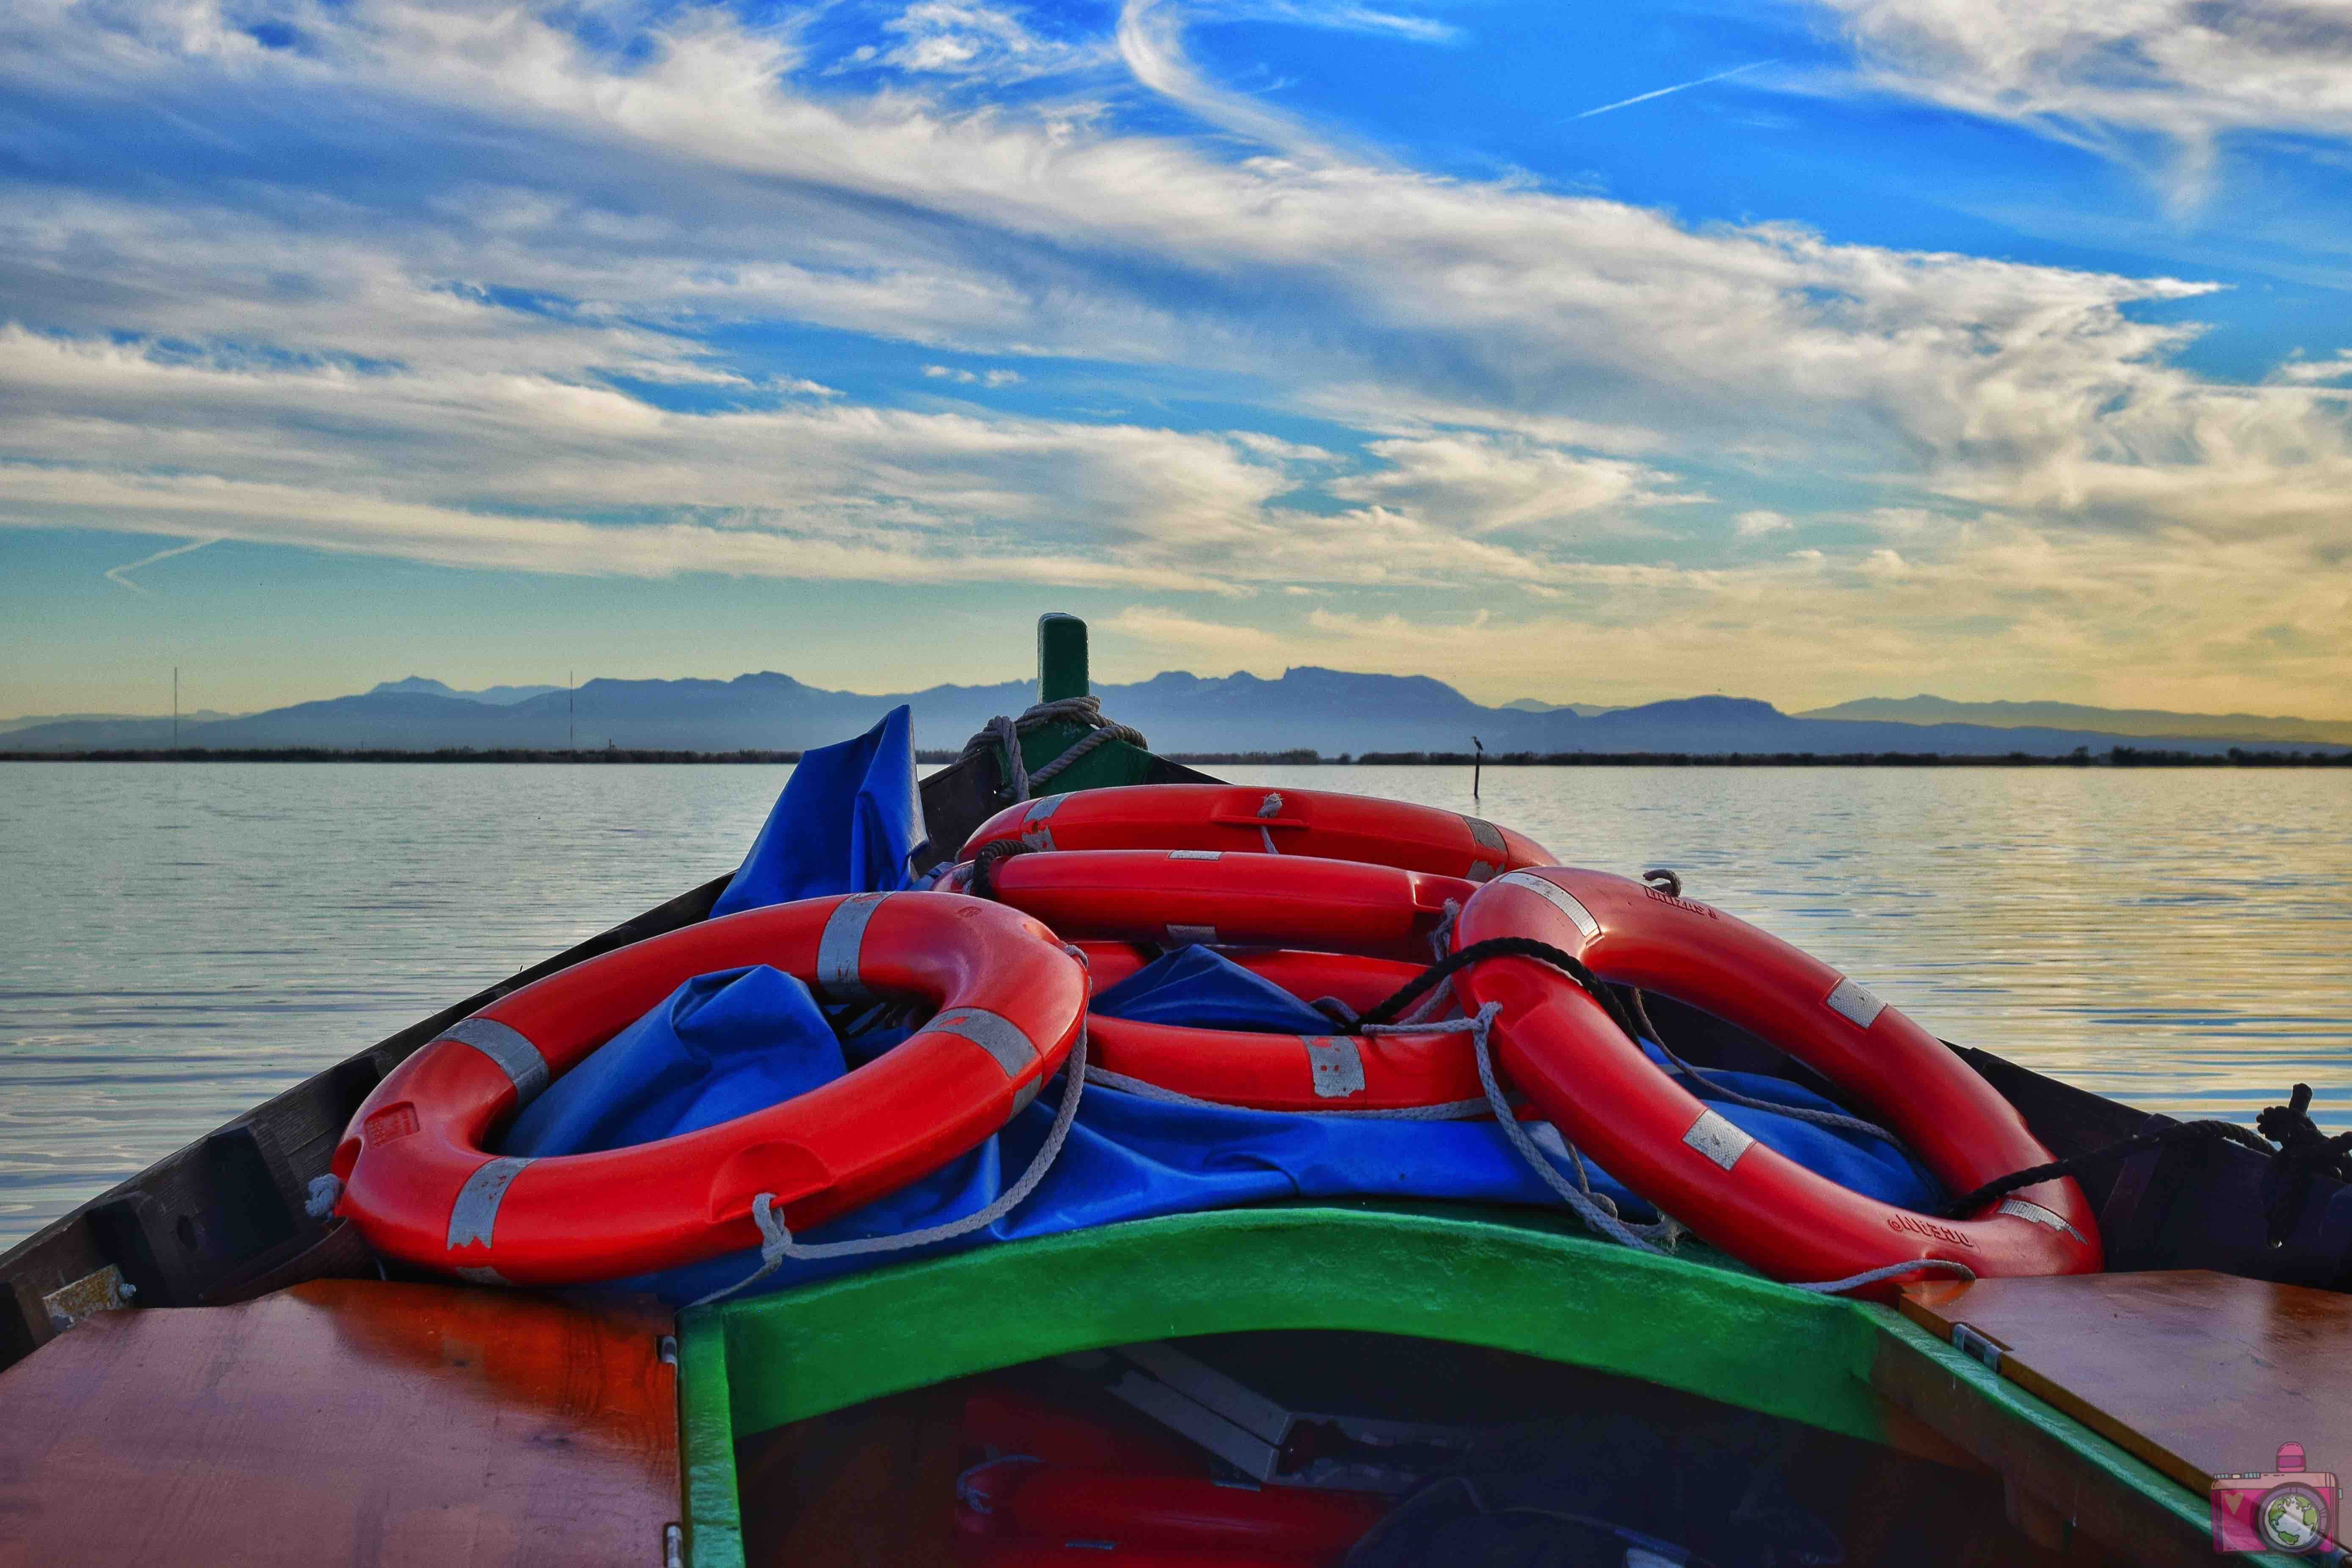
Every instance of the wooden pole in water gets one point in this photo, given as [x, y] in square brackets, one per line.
[1477, 761]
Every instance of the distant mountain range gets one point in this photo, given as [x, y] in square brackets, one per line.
[1926, 709]
[1325, 710]
[498, 696]
[27, 722]
[1537, 705]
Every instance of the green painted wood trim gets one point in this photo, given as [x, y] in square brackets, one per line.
[1727, 1335]
[1111, 764]
[714, 1517]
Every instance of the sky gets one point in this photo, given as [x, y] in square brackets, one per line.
[1803, 351]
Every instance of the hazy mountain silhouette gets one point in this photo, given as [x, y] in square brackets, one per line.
[1325, 710]
[1537, 705]
[195, 716]
[500, 695]
[1926, 709]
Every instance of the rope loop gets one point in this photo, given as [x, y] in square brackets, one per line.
[1004, 733]
[2289, 1138]
[983, 882]
[776, 1242]
[319, 1199]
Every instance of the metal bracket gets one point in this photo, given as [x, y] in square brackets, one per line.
[103, 1291]
[1978, 1346]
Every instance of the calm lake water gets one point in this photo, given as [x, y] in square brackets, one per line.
[179, 942]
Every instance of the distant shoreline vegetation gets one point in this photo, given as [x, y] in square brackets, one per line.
[2115, 756]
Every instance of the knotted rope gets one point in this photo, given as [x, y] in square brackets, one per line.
[1005, 733]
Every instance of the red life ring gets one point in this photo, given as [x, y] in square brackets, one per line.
[1176, 897]
[1242, 819]
[1558, 1044]
[1332, 907]
[1361, 983]
[420, 1185]
[1261, 1071]
[1008, 1419]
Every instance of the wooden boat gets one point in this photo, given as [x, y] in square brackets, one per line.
[197, 1369]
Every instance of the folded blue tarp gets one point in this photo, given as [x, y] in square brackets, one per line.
[725, 1044]
[849, 820]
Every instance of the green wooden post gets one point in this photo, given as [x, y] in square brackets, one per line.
[1060, 658]
[1062, 672]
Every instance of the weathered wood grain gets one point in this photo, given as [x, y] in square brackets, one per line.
[2199, 1374]
[343, 1422]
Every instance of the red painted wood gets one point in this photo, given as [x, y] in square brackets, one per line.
[343, 1422]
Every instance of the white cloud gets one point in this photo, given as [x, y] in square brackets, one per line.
[1485, 484]
[991, 43]
[314, 356]
[2001, 607]
[2313, 373]
[1751, 524]
[972, 378]
[2187, 70]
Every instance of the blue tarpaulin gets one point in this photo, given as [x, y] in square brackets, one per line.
[727, 1044]
[848, 822]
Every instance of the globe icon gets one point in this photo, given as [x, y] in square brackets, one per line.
[2291, 1518]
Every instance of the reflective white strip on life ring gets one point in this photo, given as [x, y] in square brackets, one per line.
[475, 1215]
[997, 1035]
[1719, 1139]
[2021, 1209]
[838, 948]
[1196, 854]
[1336, 1065]
[1044, 806]
[1486, 835]
[1183, 936]
[1855, 1005]
[1557, 897]
[510, 1048]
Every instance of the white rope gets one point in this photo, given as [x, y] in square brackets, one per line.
[1830, 1119]
[1873, 1276]
[323, 1194]
[776, 1242]
[1595, 1209]
[1441, 938]
[1270, 806]
[1005, 733]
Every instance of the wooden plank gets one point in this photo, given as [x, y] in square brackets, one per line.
[2199, 1374]
[344, 1421]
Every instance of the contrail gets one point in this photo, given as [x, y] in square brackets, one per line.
[115, 573]
[1644, 98]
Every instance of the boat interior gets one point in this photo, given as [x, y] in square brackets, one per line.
[200, 1366]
